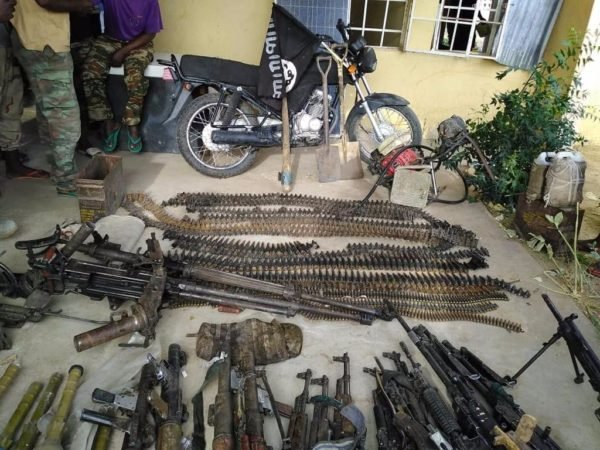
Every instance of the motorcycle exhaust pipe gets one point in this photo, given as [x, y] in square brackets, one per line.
[261, 138]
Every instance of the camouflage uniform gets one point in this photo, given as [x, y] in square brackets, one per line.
[11, 95]
[51, 76]
[95, 74]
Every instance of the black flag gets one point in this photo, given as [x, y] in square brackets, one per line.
[288, 51]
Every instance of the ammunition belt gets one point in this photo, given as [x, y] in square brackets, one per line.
[242, 249]
[366, 282]
[296, 263]
[390, 224]
[407, 311]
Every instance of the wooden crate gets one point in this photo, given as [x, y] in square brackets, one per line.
[100, 187]
[531, 218]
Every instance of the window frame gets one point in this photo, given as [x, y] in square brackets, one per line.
[468, 53]
[362, 28]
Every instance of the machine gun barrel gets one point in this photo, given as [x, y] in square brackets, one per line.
[85, 230]
[143, 318]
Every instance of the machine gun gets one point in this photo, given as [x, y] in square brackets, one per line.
[154, 282]
[579, 349]
[296, 436]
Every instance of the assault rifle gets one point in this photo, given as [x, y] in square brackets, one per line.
[296, 436]
[579, 349]
[319, 426]
[341, 426]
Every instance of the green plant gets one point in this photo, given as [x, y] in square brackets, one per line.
[519, 124]
[570, 276]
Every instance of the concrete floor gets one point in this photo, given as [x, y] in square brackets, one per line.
[545, 391]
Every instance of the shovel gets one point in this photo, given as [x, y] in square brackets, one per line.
[350, 164]
[328, 157]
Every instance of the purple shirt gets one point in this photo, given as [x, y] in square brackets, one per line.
[127, 19]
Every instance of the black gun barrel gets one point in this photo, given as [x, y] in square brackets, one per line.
[552, 308]
[78, 238]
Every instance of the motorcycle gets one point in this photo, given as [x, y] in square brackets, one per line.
[220, 130]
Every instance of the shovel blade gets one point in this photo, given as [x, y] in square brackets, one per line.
[328, 163]
[350, 163]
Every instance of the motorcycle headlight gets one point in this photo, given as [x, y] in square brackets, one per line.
[367, 61]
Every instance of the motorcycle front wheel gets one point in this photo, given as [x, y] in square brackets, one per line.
[193, 139]
[392, 119]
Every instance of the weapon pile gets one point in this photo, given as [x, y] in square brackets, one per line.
[147, 418]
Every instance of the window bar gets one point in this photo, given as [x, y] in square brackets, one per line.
[472, 32]
[385, 16]
[458, 11]
[438, 26]
[364, 22]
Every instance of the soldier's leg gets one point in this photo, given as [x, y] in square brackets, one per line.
[95, 74]
[51, 77]
[11, 101]
[137, 87]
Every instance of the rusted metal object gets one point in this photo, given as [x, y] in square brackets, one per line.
[100, 187]
[531, 218]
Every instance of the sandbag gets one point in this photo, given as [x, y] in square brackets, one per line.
[272, 342]
[564, 182]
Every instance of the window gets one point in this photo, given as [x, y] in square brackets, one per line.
[380, 21]
[511, 32]
[461, 27]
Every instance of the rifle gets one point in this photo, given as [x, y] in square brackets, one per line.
[342, 427]
[139, 433]
[401, 406]
[319, 427]
[167, 373]
[473, 418]
[441, 413]
[579, 349]
[489, 384]
[296, 436]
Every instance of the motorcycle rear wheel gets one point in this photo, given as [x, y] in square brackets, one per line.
[222, 163]
[392, 119]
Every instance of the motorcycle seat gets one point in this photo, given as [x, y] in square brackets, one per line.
[217, 69]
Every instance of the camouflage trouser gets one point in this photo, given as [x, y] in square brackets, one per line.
[95, 74]
[79, 53]
[51, 77]
[11, 100]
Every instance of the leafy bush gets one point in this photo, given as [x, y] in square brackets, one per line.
[519, 124]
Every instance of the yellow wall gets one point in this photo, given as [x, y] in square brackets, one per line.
[437, 86]
[231, 29]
